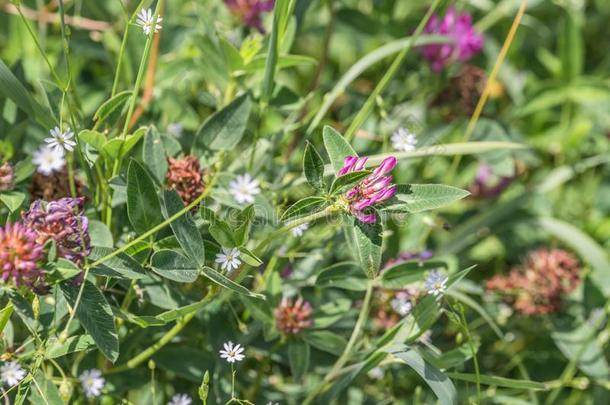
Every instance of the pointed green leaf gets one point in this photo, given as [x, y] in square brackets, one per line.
[119, 266]
[305, 206]
[336, 147]
[184, 228]
[110, 106]
[95, 315]
[365, 242]
[423, 197]
[440, 384]
[326, 341]
[227, 283]
[298, 358]
[73, 344]
[174, 266]
[153, 154]
[347, 181]
[143, 208]
[12, 199]
[11, 88]
[245, 217]
[313, 167]
[499, 381]
[225, 128]
[405, 273]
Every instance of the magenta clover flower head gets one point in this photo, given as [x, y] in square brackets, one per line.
[249, 11]
[466, 41]
[20, 255]
[374, 189]
[63, 221]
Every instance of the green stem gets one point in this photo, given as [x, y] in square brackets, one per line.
[347, 353]
[385, 80]
[165, 339]
[473, 351]
[132, 103]
[488, 85]
[71, 181]
[58, 81]
[117, 73]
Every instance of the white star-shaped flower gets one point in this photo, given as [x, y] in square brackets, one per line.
[180, 399]
[92, 382]
[436, 283]
[244, 188]
[298, 230]
[11, 373]
[403, 140]
[232, 353]
[61, 140]
[146, 20]
[228, 259]
[48, 159]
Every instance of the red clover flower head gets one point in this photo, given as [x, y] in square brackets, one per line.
[466, 41]
[291, 318]
[374, 189]
[63, 221]
[249, 11]
[537, 285]
[20, 254]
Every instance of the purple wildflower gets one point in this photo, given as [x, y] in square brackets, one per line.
[374, 189]
[249, 11]
[20, 255]
[466, 41]
[63, 221]
[488, 185]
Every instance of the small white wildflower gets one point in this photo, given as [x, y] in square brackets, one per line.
[146, 20]
[232, 353]
[11, 373]
[403, 140]
[401, 305]
[244, 188]
[376, 373]
[180, 399]
[92, 382]
[298, 230]
[228, 259]
[61, 140]
[48, 160]
[436, 283]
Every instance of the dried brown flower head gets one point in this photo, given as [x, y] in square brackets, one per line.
[186, 177]
[291, 318]
[460, 97]
[6, 177]
[537, 285]
[53, 186]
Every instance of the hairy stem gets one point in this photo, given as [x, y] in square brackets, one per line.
[347, 353]
[490, 80]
